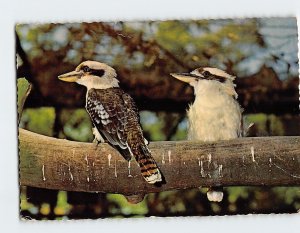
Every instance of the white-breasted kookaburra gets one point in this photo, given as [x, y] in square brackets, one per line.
[114, 115]
[215, 114]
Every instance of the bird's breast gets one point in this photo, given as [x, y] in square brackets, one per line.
[208, 122]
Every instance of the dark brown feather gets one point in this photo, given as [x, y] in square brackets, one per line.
[115, 115]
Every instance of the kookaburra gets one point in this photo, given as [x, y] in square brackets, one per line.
[215, 114]
[114, 115]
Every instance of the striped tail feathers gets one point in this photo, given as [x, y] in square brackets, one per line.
[148, 166]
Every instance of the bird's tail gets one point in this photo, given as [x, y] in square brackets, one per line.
[147, 164]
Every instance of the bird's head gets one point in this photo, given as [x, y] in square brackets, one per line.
[208, 76]
[92, 74]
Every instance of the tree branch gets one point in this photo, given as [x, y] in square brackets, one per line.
[74, 166]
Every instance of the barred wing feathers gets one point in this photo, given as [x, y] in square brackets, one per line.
[115, 115]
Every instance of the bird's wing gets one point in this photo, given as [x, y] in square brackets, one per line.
[132, 111]
[109, 114]
[116, 117]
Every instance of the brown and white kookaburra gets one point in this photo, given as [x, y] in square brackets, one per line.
[215, 114]
[114, 115]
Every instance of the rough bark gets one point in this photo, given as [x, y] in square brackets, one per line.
[51, 163]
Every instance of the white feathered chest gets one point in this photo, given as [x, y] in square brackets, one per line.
[215, 114]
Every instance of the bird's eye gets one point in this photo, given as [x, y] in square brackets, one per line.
[86, 69]
[206, 73]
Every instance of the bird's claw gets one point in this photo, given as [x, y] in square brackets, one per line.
[96, 143]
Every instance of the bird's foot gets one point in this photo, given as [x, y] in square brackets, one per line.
[214, 195]
[96, 143]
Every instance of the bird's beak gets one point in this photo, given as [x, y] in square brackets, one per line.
[186, 77]
[72, 76]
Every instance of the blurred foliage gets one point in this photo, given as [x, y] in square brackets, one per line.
[76, 125]
[23, 89]
[126, 208]
[62, 207]
[152, 125]
[157, 126]
[153, 50]
[220, 41]
[38, 120]
[192, 202]
[266, 125]
[241, 46]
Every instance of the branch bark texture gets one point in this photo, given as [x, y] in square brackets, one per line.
[51, 163]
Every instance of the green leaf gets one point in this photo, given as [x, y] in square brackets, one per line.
[24, 88]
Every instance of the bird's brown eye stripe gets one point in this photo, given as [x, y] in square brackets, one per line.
[209, 76]
[98, 73]
[95, 72]
[217, 78]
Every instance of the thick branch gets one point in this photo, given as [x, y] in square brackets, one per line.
[60, 164]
